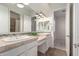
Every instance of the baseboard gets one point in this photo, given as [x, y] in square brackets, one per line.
[60, 48]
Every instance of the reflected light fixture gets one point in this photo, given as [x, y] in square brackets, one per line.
[26, 3]
[20, 5]
[41, 14]
[36, 15]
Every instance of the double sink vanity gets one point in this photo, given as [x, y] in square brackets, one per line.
[24, 45]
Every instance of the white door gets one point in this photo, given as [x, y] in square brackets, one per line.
[67, 36]
[76, 29]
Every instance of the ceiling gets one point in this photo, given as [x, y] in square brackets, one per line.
[59, 13]
[57, 6]
[26, 10]
[45, 8]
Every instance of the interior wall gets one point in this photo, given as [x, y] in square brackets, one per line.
[60, 28]
[4, 20]
[59, 31]
[27, 23]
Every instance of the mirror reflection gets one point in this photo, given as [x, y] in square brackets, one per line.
[14, 22]
[14, 18]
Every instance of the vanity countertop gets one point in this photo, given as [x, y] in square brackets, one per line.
[42, 36]
[7, 45]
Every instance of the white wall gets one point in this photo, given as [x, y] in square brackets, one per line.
[60, 28]
[59, 34]
[27, 23]
[4, 20]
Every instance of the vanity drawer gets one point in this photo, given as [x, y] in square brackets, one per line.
[14, 52]
[30, 45]
[30, 52]
[18, 50]
[41, 42]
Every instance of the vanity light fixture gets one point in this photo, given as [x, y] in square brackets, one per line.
[20, 5]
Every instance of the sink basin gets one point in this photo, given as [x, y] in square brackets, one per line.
[15, 38]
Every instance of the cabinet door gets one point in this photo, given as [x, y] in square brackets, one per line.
[14, 52]
[22, 50]
[32, 52]
[24, 53]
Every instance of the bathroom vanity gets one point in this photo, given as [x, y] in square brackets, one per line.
[24, 45]
[44, 42]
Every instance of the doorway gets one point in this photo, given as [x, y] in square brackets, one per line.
[59, 34]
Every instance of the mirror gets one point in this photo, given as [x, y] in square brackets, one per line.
[43, 26]
[14, 22]
[46, 25]
[14, 19]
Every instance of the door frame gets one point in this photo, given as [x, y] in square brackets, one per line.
[55, 21]
[74, 43]
[67, 28]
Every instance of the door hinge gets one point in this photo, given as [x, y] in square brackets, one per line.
[76, 45]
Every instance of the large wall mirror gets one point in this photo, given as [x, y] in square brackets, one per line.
[14, 22]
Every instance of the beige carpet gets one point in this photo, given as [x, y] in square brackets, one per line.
[53, 52]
